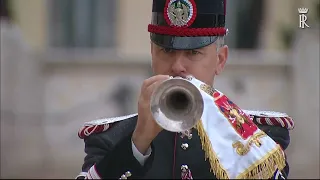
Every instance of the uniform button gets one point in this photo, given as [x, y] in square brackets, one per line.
[184, 146]
[184, 167]
[128, 174]
[123, 177]
[190, 136]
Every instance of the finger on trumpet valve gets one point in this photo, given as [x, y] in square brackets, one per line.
[187, 134]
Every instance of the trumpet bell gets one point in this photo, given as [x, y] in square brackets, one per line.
[176, 105]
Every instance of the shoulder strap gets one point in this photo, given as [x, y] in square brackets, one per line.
[260, 117]
[100, 125]
[271, 118]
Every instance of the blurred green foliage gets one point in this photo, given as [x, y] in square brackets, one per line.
[317, 11]
[286, 35]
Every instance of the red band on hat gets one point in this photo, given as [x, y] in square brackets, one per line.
[178, 31]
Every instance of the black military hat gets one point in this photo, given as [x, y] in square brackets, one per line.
[187, 24]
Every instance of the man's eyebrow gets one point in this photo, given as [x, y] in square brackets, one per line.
[197, 49]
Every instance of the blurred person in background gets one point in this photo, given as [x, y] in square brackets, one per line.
[20, 97]
[187, 38]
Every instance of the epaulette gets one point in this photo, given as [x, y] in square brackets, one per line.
[261, 117]
[271, 118]
[100, 125]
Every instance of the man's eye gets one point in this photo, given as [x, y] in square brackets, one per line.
[194, 52]
[167, 50]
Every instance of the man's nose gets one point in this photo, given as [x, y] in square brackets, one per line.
[178, 66]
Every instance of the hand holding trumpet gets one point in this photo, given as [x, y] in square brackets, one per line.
[173, 104]
[147, 129]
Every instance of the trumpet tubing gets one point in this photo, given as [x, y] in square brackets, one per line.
[176, 105]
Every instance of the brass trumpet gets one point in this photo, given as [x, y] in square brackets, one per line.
[177, 105]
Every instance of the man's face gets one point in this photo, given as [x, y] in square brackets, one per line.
[204, 64]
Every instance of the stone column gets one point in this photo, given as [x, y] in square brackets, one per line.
[303, 152]
[21, 106]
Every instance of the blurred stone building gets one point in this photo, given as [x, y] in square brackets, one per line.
[67, 62]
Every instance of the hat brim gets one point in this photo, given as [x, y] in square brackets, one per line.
[182, 43]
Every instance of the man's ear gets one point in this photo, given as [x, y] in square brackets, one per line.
[222, 58]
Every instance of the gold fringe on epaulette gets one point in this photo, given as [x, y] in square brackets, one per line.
[266, 167]
[216, 167]
[263, 169]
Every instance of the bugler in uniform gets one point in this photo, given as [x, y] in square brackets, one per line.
[227, 142]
